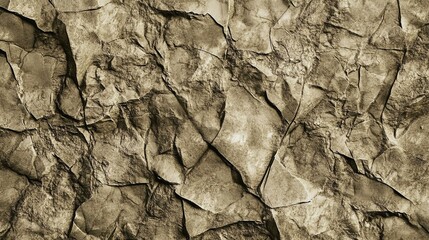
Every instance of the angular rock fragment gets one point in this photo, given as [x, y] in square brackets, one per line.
[168, 113]
[282, 98]
[12, 187]
[413, 140]
[24, 159]
[78, 6]
[41, 11]
[245, 230]
[168, 168]
[165, 215]
[412, 16]
[14, 115]
[119, 157]
[398, 228]
[38, 70]
[45, 210]
[366, 141]
[389, 34]
[198, 77]
[105, 88]
[70, 148]
[321, 218]
[84, 39]
[70, 102]
[34, 78]
[210, 184]
[16, 30]
[114, 206]
[369, 195]
[251, 22]
[281, 188]
[253, 129]
[404, 173]
[190, 144]
[248, 208]
[213, 42]
[408, 96]
[348, 11]
[305, 156]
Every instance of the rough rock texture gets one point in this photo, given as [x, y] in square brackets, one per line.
[214, 119]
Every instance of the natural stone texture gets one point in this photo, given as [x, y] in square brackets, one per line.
[214, 119]
[69, 100]
[211, 185]
[41, 11]
[167, 168]
[118, 156]
[247, 209]
[190, 144]
[116, 207]
[251, 21]
[16, 30]
[14, 116]
[280, 188]
[78, 6]
[254, 138]
[12, 187]
[245, 230]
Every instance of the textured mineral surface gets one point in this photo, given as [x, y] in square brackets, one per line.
[214, 119]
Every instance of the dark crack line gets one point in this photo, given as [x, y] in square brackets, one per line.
[388, 214]
[343, 28]
[29, 179]
[62, 35]
[27, 19]
[398, 71]
[177, 13]
[399, 13]
[273, 106]
[380, 24]
[289, 127]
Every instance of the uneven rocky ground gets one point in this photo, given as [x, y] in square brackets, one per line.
[214, 119]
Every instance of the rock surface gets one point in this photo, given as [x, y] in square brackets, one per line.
[214, 119]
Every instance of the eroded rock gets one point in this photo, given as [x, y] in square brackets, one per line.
[299, 119]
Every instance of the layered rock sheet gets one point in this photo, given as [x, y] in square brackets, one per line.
[214, 119]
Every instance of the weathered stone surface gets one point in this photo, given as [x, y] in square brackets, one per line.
[214, 119]
[78, 6]
[118, 156]
[41, 11]
[245, 230]
[12, 187]
[254, 138]
[116, 206]
[16, 30]
[167, 168]
[14, 116]
[190, 144]
[280, 188]
[210, 184]
[323, 218]
[251, 21]
[247, 209]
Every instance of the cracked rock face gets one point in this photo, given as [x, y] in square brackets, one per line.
[214, 119]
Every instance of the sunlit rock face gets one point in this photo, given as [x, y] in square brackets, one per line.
[214, 119]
